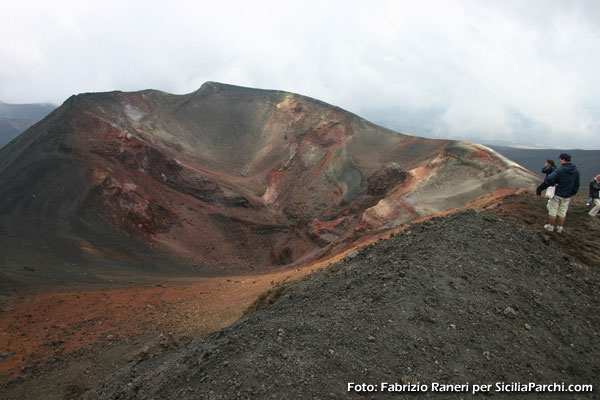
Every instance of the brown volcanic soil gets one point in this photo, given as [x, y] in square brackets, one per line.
[580, 241]
[53, 344]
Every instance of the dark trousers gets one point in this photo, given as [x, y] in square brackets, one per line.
[543, 186]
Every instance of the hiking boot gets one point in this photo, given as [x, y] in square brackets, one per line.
[548, 227]
[559, 229]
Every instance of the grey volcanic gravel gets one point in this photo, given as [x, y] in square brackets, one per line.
[460, 299]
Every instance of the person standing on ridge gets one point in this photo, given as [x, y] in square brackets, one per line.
[548, 169]
[594, 196]
[566, 180]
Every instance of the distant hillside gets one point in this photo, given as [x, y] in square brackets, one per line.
[35, 111]
[587, 161]
[16, 118]
[10, 129]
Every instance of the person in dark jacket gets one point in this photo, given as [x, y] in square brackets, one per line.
[548, 169]
[594, 190]
[566, 180]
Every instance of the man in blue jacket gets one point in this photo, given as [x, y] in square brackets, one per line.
[566, 180]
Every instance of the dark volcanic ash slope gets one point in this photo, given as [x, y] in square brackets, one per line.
[225, 177]
[460, 299]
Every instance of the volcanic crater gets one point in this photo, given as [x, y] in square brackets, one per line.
[154, 220]
[222, 180]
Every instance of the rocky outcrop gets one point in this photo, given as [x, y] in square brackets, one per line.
[385, 179]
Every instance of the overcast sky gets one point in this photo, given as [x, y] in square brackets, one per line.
[521, 71]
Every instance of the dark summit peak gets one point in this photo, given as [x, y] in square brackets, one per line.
[240, 92]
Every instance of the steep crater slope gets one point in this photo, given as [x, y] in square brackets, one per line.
[460, 299]
[225, 178]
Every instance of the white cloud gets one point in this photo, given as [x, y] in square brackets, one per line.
[483, 62]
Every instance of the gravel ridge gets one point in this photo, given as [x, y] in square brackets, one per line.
[465, 298]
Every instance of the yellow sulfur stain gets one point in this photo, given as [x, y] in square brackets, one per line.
[285, 102]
